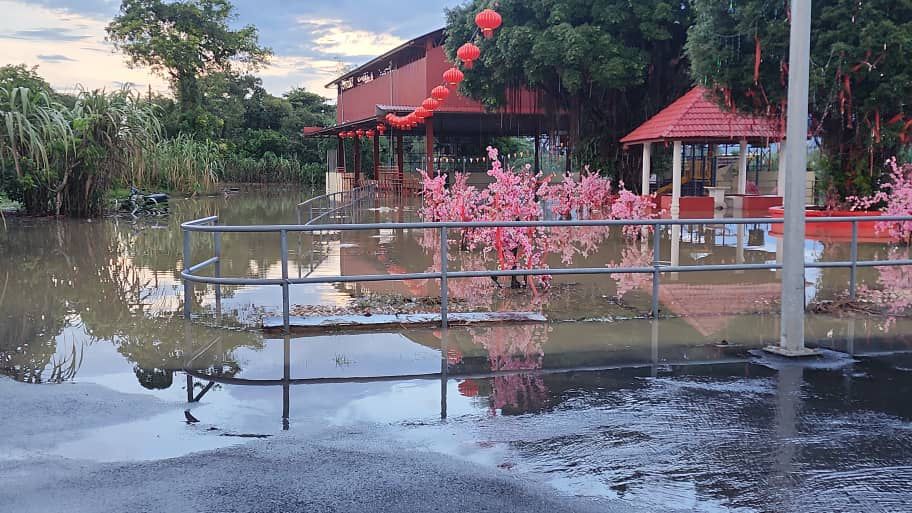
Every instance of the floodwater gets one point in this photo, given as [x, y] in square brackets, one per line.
[682, 413]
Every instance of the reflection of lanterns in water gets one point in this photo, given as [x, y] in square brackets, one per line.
[468, 388]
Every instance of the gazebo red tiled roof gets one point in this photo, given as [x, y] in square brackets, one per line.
[696, 117]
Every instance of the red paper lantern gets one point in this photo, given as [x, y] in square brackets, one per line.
[440, 93]
[369, 133]
[453, 76]
[468, 54]
[381, 128]
[422, 113]
[430, 104]
[488, 21]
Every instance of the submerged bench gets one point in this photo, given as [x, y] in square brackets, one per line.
[415, 320]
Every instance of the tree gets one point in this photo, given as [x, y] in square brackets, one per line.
[610, 63]
[185, 40]
[860, 80]
[21, 75]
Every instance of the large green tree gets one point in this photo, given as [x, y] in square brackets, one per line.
[609, 63]
[184, 41]
[860, 78]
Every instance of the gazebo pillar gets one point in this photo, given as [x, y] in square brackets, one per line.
[780, 177]
[647, 168]
[677, 165]
[742, 168]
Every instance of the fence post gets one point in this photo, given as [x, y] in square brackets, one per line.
[853, 277]
[656, 244]
[286, 321]
[444, 288]
[188, 285]
[217, 236]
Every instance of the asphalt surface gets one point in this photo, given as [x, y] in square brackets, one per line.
[362, 469]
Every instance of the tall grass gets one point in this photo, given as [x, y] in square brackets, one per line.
[272, 169]
[181, 164]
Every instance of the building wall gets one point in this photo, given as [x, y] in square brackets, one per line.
[409, 85]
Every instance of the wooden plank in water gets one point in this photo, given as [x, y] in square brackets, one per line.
[415, 320]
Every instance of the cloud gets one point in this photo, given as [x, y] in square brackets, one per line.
[46, 34]
[335, 37]
[312, 40]
[70, 48]
[55, 58]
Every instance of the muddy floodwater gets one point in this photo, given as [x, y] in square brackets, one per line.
[683, 413]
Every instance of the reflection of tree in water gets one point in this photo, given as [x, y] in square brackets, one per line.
[512, 348]
[114, 280]
[894, 288]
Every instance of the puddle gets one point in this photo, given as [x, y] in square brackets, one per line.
[680, 413]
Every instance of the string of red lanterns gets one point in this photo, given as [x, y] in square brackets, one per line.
[487, 21]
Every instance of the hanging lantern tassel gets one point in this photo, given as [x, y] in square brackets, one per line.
[488, 21]
[757, 59]
[468, 54]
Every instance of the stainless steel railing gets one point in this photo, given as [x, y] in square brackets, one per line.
[209, 225]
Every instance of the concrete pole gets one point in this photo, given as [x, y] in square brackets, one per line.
[677, 165]
[793, 275]
[742, 168]
[647, 167]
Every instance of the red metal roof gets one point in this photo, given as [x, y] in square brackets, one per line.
[696, 117]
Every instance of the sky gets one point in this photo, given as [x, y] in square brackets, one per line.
[312, 39]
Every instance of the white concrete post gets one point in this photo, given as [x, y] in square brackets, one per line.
[677, 164]
[780, 178]
[742, 168]
[647, 167]
[793, 275]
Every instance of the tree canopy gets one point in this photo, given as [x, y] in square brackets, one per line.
[184, 40]
[609, 63]
[860, 79]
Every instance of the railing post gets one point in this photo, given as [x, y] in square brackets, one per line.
[188, 285]
[312, 248]
[444, 288]
[286, 307]
[217, 236]
[656, 244]
[853, 277]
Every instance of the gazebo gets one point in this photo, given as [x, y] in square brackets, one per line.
[696, 120]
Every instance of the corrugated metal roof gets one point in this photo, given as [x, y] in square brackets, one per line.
[696, 117]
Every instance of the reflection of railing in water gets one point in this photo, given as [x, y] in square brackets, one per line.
[444, 375]
[208, 225]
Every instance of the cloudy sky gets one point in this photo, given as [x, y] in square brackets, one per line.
[312, 39]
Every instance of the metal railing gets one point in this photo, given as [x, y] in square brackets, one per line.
[209, 225]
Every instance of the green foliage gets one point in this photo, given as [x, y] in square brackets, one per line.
[182, 164]
[273, 169]
[185, 40]
[21, 75]
[859, 74]
[610, 63]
